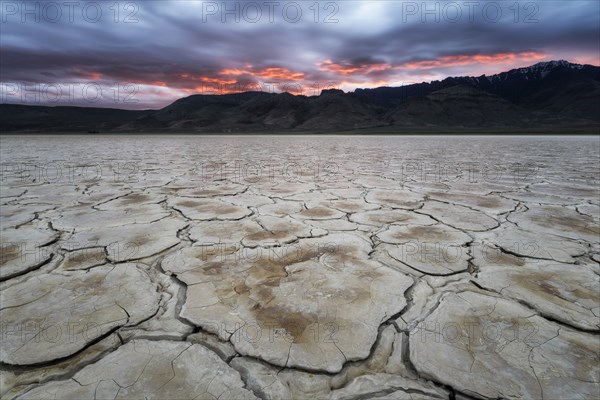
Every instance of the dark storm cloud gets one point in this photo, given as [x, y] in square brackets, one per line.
[174, 48]
[417, 41]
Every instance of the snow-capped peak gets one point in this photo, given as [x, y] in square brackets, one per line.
[544, 68]
[547, 66]
[540, 70]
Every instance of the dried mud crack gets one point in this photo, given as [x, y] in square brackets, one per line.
[183, 283]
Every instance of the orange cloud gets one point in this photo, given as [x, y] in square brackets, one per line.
[280, 73]
[346, 68]
[360, 74]
[216, 81]
[235, 71]
[460, 60]
[211, 90]
[265, 73]
[91, 75]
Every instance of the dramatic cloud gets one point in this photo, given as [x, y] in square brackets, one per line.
[460, 60]
[145, 54]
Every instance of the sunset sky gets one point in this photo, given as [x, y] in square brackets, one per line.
[146, 54]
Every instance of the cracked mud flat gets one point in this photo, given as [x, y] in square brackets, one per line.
[300, 267]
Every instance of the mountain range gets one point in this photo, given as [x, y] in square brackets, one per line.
[545, 97]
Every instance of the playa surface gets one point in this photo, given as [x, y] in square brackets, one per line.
[300, 267]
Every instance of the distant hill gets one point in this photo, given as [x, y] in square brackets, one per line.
[63, 119]
[552, 95]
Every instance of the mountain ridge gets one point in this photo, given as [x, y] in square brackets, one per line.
[547, 95]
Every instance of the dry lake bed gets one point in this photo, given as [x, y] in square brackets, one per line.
[300, 267]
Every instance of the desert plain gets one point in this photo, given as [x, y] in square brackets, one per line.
[297, 267]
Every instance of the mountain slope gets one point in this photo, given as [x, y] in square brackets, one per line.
[553, 86]
[460, 106]
[14, 117]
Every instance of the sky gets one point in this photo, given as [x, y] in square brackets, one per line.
[146, 54]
